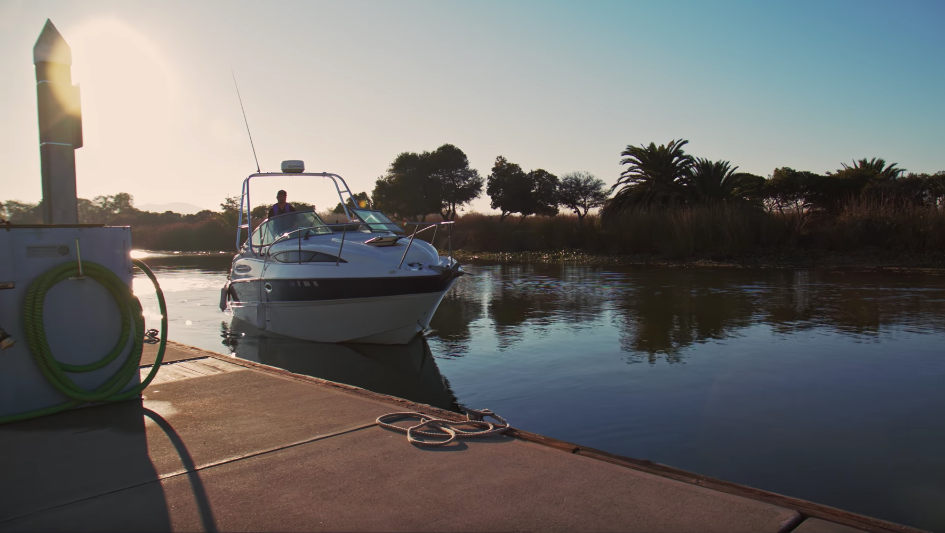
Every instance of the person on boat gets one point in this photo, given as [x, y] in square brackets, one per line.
[281, 207]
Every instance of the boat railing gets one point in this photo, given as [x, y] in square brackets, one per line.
[245, 217]
[297, 234]
[435, 225]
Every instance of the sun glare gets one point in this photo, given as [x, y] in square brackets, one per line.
[111, 50]
[129, 92]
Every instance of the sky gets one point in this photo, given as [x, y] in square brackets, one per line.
[563, 86]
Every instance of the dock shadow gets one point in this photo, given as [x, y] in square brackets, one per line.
[56, 467]
[62, 470]
[193, 476]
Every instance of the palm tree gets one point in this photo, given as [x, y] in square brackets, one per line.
[877, 167]
[717, 181]
[654, 175]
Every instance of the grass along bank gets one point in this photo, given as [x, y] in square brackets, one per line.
[871, 234]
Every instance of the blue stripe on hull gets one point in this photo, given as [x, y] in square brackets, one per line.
[306, 290]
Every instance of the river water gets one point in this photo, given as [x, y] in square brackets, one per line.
[827, 386]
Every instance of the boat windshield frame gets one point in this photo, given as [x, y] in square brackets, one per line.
[311, 225]
[245, 219]
[381, 223]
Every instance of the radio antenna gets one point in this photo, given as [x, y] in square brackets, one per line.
[246, 121]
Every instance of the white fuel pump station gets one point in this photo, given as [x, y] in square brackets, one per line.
[71, 331]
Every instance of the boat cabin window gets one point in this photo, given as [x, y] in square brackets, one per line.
[377, 221]
[306, 256]
[270, 230]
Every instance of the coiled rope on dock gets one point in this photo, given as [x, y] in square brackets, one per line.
[445, 428]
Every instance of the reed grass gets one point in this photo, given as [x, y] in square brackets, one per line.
[721, 230]
[211, 235]
[713, 231]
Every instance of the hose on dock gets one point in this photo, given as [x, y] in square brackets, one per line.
[132, 323]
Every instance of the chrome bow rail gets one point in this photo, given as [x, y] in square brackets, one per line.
[448, 223]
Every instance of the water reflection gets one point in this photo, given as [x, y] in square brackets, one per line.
[650, 314]
[856, 304]
[523, 298]
[408, 371]
[664, 312]
[458, 311]
[659, 313]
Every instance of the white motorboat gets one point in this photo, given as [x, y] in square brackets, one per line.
[364, 281]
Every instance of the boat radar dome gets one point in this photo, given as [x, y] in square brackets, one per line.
[293, 166]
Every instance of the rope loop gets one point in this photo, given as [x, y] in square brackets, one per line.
[152, 336]
[474, 414]
[442, 428]
[435, 424]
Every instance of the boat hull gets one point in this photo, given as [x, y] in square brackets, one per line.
[376, 320]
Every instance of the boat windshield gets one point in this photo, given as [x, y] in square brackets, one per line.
[279, 225]
[377, 221]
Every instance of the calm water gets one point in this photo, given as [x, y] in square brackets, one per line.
[821, 385]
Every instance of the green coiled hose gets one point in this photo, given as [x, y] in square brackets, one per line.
[132, 323]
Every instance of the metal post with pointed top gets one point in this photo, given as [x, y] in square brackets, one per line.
[60, 125]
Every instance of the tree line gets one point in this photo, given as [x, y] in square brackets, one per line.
[441, 182]
[117, 209]
[656, 179]
[666, 175]
[655, 176]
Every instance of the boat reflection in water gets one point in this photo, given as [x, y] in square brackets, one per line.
[406, 371]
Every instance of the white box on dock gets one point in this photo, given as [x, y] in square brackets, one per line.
[81, 318]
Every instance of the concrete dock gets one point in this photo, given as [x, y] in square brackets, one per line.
[221, 444]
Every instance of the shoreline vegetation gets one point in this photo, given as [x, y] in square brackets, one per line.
[666, 209]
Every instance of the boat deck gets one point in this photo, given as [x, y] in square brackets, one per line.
[219, 444]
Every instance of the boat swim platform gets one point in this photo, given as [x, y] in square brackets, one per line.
[222, 444]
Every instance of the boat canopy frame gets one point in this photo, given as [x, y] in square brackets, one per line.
[246, 212]
[246, 206]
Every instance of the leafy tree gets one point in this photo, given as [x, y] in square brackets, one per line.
[717, 181]
[508, 188]
[409, 189]
[793, 194]
[230, 203]
[459, 184]
[936, 188]
[866, 176]
[514, 191]
[543, 196]
[90, 213]
[362, 201]
[121, 203]
[430, 182]
[908, 190]
[231, 209]
[580, 192]
[653, 175]
[23, 212]
[260, 212]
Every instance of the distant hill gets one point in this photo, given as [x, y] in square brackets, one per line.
[177, 207]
